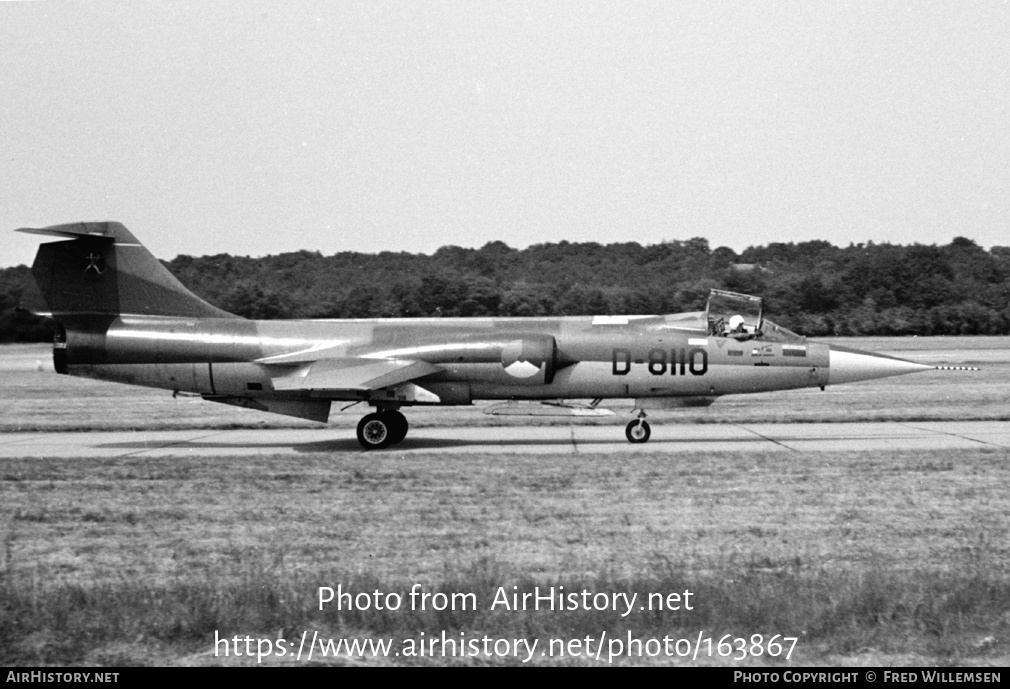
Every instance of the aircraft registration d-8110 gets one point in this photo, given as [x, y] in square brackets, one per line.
[122, 316]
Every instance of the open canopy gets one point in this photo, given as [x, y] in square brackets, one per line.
[730, 314]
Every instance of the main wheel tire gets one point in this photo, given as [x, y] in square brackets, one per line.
[638, 431]
[398, 426]
[375, 432]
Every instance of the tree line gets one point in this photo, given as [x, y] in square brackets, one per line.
[814, 288]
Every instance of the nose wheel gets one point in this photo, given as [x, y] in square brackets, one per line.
[638, 431]
[382, 429]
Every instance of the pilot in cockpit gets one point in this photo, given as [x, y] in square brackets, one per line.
[736, 328]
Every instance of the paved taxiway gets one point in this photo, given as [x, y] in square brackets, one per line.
[671, 438]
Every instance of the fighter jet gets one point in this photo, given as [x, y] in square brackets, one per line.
[122, 316]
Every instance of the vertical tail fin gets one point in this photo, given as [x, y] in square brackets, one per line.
[101, 269]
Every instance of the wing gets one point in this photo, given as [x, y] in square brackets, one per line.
[361, 375]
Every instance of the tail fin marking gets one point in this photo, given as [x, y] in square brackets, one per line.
[101, 269]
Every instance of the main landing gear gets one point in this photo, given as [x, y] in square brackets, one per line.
[382, 429]
[638, 431]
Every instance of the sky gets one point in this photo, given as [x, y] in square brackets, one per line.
[254, 128]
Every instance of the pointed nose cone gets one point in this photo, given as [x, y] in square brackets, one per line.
[847, 365]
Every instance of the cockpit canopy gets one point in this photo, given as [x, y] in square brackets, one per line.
[740, 316]
[730, 314]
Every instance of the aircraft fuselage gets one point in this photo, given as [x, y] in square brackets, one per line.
[573, 357]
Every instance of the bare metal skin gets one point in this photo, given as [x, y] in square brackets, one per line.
[123, 317]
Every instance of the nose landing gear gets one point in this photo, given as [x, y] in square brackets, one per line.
[638, 431]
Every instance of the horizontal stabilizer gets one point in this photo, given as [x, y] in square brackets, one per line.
[99, 230]
[355, 374]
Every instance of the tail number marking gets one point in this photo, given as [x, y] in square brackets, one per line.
[678, 360]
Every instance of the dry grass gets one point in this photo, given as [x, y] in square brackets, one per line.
[849, 551]
[92, 519]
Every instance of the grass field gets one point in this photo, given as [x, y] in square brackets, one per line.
[883, 558]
